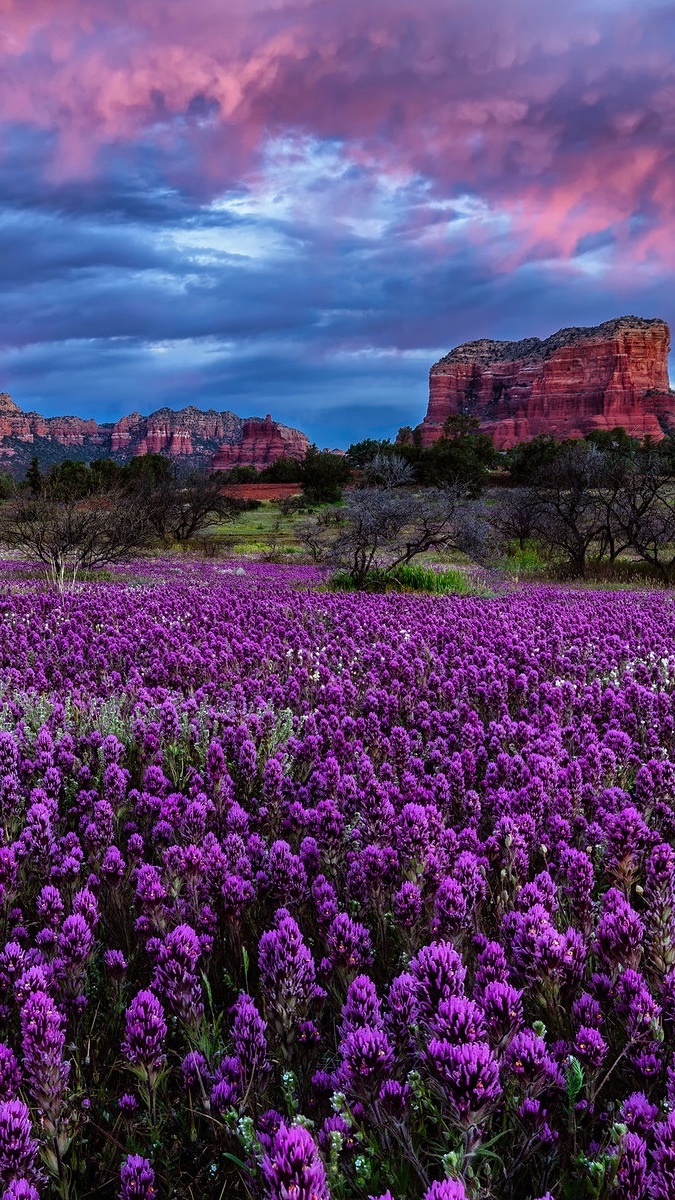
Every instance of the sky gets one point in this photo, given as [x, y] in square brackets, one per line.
[297, 206]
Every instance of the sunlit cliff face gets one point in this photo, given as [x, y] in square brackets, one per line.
[308, 202]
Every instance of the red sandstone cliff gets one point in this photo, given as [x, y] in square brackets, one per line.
[571, 383]
[214, 440]
[262, 443]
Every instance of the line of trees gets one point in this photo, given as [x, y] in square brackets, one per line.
[596, 500]
[321, 475]
[600, 499]
[603, 498]
[81, 517]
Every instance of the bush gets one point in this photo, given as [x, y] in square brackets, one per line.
[411, 578]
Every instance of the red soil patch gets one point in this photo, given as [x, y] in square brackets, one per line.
[262, 491]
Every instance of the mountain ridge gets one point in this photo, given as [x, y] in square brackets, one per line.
[204, 438]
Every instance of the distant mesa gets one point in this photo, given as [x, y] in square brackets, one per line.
[210, 440]
[566, 386]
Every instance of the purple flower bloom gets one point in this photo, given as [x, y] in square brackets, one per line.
[394, 1097]
[662, 1175]
[631, 1175]
[619, 932]
[115, 964]
[287, 972]
[458, 1020]
[447, 1189]
[175, 977]
[439, 973]
[638, 1114]
[18, 1149]
[250, 1043]
[75, 941]
[146, 1029]
[449, 907]
[467, 1073]
[293, 1169]
[362, 1006]
[407, 904]
[590, 1047]
[528, 1059]
[43, 1041]
[503, 1010]
[195, 1069]
[137, 1179]
[21, 1189]
[534, 1115]
[348, 942]
[10, 1073]
[403, 1009]
[367, 1057]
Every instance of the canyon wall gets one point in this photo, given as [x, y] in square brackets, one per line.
[209, 440]
[567, 385]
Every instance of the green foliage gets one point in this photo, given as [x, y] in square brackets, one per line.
[75, 480]
[412, 577]
[323, 476]
[574, 1079]
[34, 478]
[6, 485]
[526, 559]
[150, 470]
[284, 470]
[363, 452]
[70, 480]
[613, 441]
[242, 475]
[462, 455]
[526, 460]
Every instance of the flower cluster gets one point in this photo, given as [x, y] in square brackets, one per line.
[310, 895]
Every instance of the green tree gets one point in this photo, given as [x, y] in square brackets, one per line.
[527, 460]
[323, 476]
[284, 470]
[362, 453]
[70, 479]
[613, 441]
[34, 478]
[239, 474]
[107, 474]
[462, 455]
[150, 470]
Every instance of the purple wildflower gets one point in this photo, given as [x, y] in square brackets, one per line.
[143, 1044]
[468, 1074]
[439, 973]
[447, 1189]
[137, 1179]
[18, 1149]
[293, 1169]
[43, 1042]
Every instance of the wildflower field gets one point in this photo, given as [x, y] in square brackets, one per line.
[311, 895]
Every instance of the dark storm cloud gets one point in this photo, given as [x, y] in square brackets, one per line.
[295, 207]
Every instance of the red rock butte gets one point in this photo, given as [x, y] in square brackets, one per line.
[212, 440]
[566, 386]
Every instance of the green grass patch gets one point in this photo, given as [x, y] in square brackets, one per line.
[412, 577]
[524, 560]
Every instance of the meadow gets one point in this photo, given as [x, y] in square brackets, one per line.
[310, 894]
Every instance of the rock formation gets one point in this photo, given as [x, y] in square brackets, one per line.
[213, 440]
[261, 443]
[571, 383]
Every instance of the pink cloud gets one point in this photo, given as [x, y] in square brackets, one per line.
[562, 120]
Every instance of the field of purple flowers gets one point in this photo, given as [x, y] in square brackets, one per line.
[308, 895]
